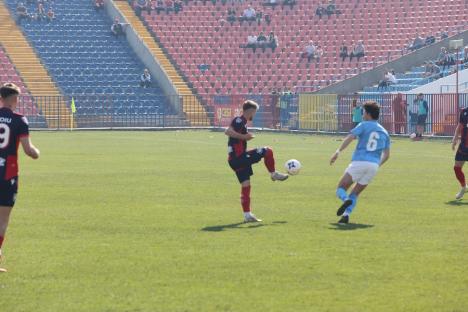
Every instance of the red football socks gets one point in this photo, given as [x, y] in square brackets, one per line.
[1, 241]
[269, 160]
[460, 176]
[245, 198]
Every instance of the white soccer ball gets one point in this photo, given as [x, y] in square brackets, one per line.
[412, 135]
[293, 166]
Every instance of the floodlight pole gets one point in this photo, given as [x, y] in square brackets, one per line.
[456, 83]
[456, 45]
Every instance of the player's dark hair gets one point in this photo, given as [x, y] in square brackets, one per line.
[249, 104]
[9, 89]
[373, 109]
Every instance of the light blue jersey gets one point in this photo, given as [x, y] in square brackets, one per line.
[373, 140]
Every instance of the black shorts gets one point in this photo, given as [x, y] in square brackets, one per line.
[8, 191]
[242, 165]
[422, 120]
[460, 156]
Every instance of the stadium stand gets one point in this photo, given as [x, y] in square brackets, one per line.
[89, 63]
[29, 67]
[416, 77]
[8, 73]
[192, 107]
[208, 50]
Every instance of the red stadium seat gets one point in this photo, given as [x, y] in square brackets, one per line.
[195, 36]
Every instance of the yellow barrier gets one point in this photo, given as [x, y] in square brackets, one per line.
[318, 112]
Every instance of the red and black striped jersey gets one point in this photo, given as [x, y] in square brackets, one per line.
[13, 126]
[237, 147]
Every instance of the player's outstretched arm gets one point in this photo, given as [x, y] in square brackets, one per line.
[236, 135]
[456, 136]
[385, 156]
[343, 146]
[29, 148]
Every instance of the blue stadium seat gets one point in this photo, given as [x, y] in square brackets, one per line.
[84, 58]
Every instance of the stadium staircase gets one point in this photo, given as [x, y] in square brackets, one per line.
[192, 107]
[33, 73]
[8, 73]
[88, 63]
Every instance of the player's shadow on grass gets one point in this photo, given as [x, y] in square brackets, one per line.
[239, 226]
[457, 203]
[350, 226]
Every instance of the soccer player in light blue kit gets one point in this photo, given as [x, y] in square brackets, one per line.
[372, 151]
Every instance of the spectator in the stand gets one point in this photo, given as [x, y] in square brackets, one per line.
[449, 60]
[117, 28]
[291, 3]
[99, 4]
[358, 51]
[331, 8]
[418, 43]
[259, 16]
[444, 35]
[343, 52]
[177, 6]
[310, 51]
[441, 57]
[160, 7]
[432, 71]
[383, 83]
[252, 42]
[22, 12]
[262, 41]
[141, 5]
[318, 53]
[388, 79]
[271, 3]
[444, 59]
[145, 79]
[41, 13]
[429, 40]
[231, 16]
[50, 15]
[169, 6]
[392, 77]
[249, 15]
[273, 41]
[267, 18]
[320, 11]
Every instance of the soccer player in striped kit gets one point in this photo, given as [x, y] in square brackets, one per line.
[241, 160]
[14, 129]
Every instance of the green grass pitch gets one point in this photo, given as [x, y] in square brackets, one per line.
[149, 221]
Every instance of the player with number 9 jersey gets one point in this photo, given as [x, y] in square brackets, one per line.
[372, 151]
[14, 130]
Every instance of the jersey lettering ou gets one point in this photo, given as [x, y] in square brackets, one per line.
[373, 139]
[237, 147]
[12, 127]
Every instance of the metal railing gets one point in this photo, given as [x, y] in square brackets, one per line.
[308, 112]
[452, 87]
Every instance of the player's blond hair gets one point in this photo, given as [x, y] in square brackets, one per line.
[9, 89]
[250, 104]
